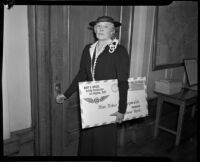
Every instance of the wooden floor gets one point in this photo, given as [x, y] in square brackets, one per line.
[163, 145]
[140, 142]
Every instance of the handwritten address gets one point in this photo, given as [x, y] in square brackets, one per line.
[99, 99]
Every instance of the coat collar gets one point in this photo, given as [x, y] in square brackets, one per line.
[92, 48]
[112, 46]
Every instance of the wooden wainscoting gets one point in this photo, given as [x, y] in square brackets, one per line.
[21, 143]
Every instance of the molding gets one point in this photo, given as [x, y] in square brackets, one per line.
[39, 77]
[33, 74]
[11, 145]
[24, 135]
[17, 139]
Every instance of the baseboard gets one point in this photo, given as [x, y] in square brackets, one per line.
[25, 135]
[11, 145]
[18, 138]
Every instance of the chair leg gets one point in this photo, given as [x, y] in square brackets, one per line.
[180, 122]
[158, 114]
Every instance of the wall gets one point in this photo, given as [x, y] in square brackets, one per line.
[16, 83]
[147, 59]
[138, 40]
[141, 56]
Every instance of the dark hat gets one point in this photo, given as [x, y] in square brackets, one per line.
[105, 19]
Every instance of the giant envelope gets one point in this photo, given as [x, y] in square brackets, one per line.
[100, 99]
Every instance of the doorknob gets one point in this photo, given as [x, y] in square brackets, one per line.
[58, 88]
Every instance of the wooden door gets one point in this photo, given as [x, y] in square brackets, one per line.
[79, 36]
[58, 35]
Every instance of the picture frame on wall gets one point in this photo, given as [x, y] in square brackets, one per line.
[175, 34]
[191, 71]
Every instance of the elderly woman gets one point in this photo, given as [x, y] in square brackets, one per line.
[103, 60]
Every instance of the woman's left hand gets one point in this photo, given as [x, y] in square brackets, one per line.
[119, 116]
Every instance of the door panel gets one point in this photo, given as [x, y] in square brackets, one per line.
[43, 76]
[114, 12]
[80, 34]
[58, 40]
[127, 26]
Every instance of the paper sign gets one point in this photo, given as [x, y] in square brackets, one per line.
[99, 99]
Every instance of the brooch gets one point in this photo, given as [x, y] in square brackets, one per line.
[113, 45]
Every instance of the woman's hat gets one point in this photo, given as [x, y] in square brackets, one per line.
[105, 19]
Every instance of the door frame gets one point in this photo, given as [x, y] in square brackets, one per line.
[41, 128]
[33, 77]
[1, 51]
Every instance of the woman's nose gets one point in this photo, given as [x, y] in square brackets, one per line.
[101, 28]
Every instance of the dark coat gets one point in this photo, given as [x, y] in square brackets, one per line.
[109, 66]
[102, 140]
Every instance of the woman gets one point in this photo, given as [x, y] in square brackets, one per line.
[103, 60]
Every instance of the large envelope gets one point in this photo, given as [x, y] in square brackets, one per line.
[99, 99]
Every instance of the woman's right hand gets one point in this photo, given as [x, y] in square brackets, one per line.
[60, 98]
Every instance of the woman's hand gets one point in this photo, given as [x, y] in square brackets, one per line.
[60, 98]
[119, 116]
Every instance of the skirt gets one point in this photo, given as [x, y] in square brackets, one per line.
[98, 141]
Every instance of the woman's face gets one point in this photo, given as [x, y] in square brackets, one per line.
[104, 30]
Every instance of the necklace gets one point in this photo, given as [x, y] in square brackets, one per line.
[97, 53]
[112, 46]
